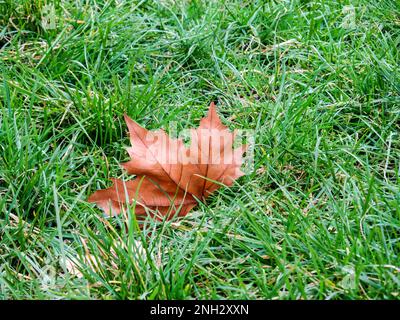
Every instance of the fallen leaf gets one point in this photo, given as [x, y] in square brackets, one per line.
[171, 178]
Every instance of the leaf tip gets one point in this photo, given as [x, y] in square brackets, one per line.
[127, 118]
[212, 110]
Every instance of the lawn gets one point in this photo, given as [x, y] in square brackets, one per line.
[317, 82]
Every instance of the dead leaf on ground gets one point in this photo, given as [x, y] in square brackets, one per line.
[170, 177]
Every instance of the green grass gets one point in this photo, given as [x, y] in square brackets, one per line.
[319, 218]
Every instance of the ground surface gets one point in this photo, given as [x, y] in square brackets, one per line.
[318, 83]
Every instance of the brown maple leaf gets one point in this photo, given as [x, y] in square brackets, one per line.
[171, 178]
